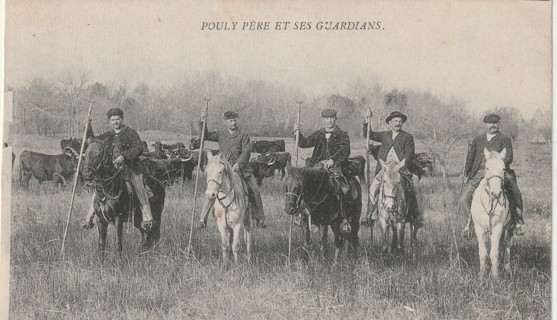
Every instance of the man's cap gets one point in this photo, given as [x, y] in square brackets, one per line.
[396, 114]
[229, 115]
[329, 113]
[115, 112]
[492, 118]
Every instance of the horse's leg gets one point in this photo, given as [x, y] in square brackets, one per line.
[102, 227]
[338, 243]
[386, 240]
[494, 252]
[400, 228]
[482, 249]
[237, 231]
[305, 229]
[506, 244]
[119, 227]
[414, 239]
[247, 238]
[224, 237]
[324, 229]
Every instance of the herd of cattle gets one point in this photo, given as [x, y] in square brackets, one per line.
[174, 162]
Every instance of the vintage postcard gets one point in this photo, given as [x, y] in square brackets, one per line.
[276, 160]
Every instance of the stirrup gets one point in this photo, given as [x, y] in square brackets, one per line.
[345, 227]
[466, 233]
[202, 224]
[147, 225]
[518, 230]
[87, 225]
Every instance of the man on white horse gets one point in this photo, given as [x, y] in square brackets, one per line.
[234, 147]
[492, 140]
[396, 145]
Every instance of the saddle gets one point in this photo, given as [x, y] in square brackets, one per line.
[341, 180]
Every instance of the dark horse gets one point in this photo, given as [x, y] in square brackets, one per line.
[309, 192]
[113, 203]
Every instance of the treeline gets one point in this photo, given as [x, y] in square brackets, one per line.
[57, 107]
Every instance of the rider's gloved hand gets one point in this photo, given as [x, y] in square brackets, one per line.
[118, 161]
[329, 163]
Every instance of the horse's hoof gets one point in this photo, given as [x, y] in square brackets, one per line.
[147, 225]
[202, 225]
[87, 225]
[466, 234]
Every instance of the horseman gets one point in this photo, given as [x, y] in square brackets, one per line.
[125, 147]
[474, 172]
[396, 145]
[331, 150]
[234, 146]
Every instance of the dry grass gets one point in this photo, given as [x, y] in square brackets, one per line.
[166, 283]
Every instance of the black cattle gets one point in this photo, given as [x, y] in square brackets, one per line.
[189, 160]
[374, 151]
[422, 164]
[358, 167]
[173, 146]
[46, 167]
[265, 146]
[145, 147]
[277, 160]
[165, 170]
[158, 153]
[195, 143]
[260, 170]
[73, 143]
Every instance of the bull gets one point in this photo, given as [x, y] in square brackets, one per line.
[73, 143]
[265, 146]
[276, 160]
[165, 170]
[46, 167]
[188, 160]
[158, 153]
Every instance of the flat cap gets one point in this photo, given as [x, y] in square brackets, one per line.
[229, 115]
[115, 112]
[396, 114]
[329, 113]
[492, 118]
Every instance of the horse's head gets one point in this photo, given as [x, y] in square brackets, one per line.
[95, 157]
[494, 172]
[391, 184]
[294, 186]
[216, 174]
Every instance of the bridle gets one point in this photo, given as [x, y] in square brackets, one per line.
[104, 184]
[231, 195]
[493, 200]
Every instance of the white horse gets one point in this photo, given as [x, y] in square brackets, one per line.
[490, 213]
[225, 186]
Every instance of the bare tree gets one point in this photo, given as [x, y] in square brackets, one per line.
[71, 88]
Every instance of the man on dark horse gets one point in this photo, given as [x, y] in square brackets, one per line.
[234, 147]
[125, 147]
[331, 151]
[396, 145]
[474, 172]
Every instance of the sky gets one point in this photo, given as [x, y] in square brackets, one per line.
[486, 53]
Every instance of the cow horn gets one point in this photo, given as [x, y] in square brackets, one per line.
[188, 159]
[72, 150]
[271, 163]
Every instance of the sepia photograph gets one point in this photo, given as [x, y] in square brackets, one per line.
[185, 159]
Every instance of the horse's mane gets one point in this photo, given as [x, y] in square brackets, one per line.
[309, 176]
[392, 174]
[235, 181]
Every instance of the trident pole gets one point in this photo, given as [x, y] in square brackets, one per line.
[204, 126]
[63, 251]
[296, 163]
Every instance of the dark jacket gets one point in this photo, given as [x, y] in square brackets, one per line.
[475, 156]
[234, 147]
[336, 148]
[403, 144]
[126, 143]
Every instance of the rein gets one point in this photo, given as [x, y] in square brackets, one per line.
[493, 201]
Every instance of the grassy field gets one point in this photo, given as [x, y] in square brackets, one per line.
[442, 283]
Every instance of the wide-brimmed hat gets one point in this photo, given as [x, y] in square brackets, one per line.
[229, 115]
[329, 113]
[492, 118]
[115, 112]
[396, 114]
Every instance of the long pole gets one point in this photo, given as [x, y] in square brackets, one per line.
[368, 175]
[199, 159]
[296, 163]
[63, 251]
